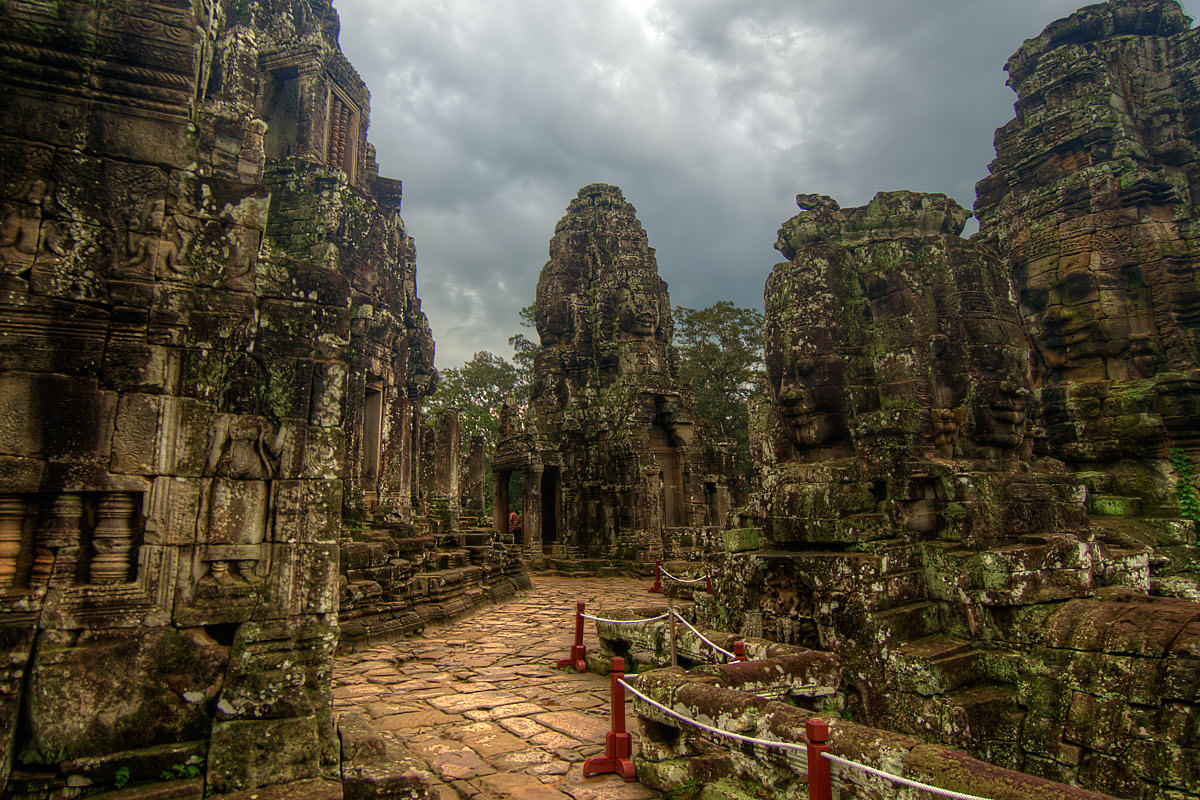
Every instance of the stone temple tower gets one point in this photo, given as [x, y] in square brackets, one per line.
[607, 445]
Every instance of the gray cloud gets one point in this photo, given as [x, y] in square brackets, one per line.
[710, 114]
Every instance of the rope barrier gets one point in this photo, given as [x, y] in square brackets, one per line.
[702, 637]
[624, 621]
[701, 579]
[925, 787]
[801, 749]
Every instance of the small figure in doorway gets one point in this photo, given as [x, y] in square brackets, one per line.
[514, 524]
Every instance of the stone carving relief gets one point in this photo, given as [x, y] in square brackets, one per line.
[242, 461]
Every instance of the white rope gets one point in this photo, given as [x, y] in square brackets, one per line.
[925, 787]
[711, 644]
[681, 580]
[802, 748]
[623, 621]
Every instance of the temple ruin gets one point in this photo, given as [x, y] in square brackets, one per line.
[972, 538]
[214, 361]
[1094, 217]
[615, 468]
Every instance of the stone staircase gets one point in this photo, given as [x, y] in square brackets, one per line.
[397, 578]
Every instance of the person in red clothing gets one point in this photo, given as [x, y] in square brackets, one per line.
[514, 524]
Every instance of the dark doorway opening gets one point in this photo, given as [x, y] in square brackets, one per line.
[550, 484]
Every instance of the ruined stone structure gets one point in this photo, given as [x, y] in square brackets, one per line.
[1091, 203]
[906, 525]
[211, 354]
[614, 469]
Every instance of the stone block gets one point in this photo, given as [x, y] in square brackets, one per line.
[248, 753]
[136, 435]
[741, 540]
[133, 680]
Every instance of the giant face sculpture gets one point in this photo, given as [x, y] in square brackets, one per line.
[1089, 319]
[982, 371]
[809, 359]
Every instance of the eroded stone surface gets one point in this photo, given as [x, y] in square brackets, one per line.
[615, 468]
[908, 524]
[1100, 238]
[213, 356]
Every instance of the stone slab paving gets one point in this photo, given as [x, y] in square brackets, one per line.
[479, 702]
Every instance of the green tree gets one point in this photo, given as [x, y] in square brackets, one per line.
[721, 359]
[477, 389]
[525, 350]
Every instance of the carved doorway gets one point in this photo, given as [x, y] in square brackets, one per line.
[669, 459]
[372, 440]
[550, 488]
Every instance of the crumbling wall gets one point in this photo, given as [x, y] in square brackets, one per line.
[202, 274]
[1090, 202]
[609, 445]
[906, 525]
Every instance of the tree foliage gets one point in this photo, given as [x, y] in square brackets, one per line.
[721, 359]
[480, 387]
[477, 389]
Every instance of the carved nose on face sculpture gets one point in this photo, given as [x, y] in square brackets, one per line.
[1013, 389]
[1057, 315]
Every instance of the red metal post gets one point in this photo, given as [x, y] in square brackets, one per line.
[578, 658]
[618, 745]
[739, 651]
[656, 587]
[707, 582]
[820, 779]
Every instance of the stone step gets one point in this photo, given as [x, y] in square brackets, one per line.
[991, 711]
[1031, 569]
[479, 538]
[1111, 505]
[902, 586]
[909, 621]
[449, 559]
[414, 544]
[937, 664]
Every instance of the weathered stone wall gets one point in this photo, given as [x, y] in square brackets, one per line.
[1090, 201]
[907, 528]
[203, 281]
[734, 698]
[609, 446]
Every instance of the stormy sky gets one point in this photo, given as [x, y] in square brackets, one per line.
[711, 115]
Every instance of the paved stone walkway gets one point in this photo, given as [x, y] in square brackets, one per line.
[479, 702]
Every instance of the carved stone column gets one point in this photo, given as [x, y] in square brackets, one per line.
[56, 558]
[12, 524]
[533, 510]
[113, 538]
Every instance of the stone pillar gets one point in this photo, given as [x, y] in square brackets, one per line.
[533, 510]
[58, 542]
[12, 526]
[447, 441]
[113, 538]
[472, 489]
[500, 509]
[442, 491]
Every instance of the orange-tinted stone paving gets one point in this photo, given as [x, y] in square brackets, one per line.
[480, 704]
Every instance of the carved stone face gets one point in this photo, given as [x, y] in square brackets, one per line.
[805, 363]
[983, 367]
[1085, 319]
[552, 314]
[1000, 400]
[637, 312]
[809, 388]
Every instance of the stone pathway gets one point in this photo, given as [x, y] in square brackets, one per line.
[479, 702]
